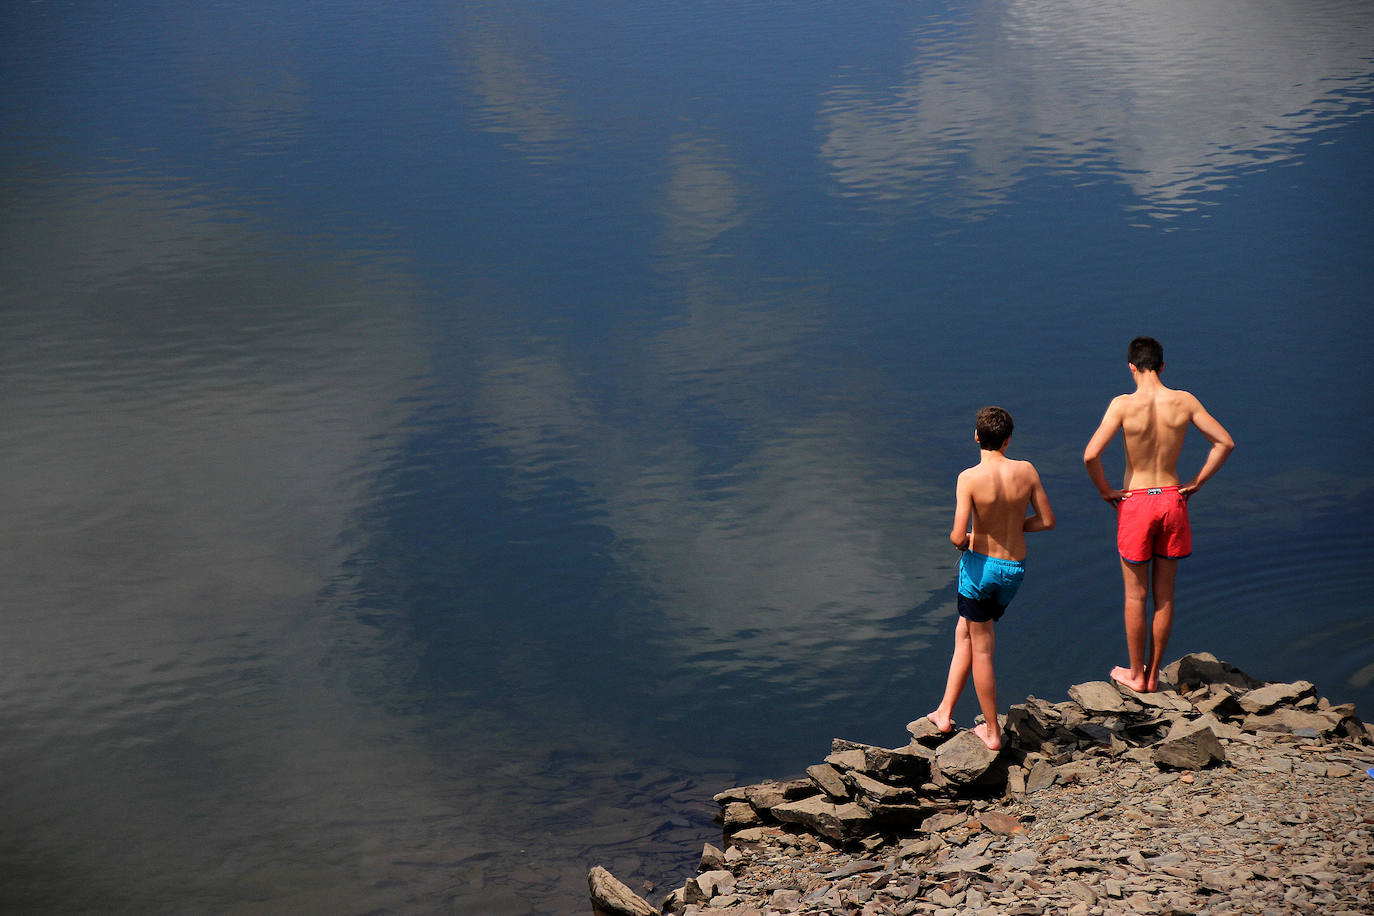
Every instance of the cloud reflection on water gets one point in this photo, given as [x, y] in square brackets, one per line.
[1173, 100]
[766, 522]
[190, 428]
[518, 88]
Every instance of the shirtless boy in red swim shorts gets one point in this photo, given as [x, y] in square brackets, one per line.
[1152, 506]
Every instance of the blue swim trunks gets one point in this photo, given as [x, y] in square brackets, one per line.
[987, 585]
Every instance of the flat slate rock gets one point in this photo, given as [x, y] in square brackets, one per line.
[825, 818]
[1100, 698]
[1265, 699]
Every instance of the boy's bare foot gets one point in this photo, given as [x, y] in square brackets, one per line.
[943, 722]
[1125, 678]
[994, 742]
[1152, 681]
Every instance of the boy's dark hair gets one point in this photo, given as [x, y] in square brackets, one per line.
[994, 427]
[1146, 354]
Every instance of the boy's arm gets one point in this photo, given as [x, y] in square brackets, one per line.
[963, 512]
[1222, 446]
[1092, 455]
[1042, 519]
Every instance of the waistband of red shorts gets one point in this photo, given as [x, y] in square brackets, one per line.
[1153, 491]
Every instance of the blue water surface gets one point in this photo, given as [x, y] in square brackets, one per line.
[446, 444]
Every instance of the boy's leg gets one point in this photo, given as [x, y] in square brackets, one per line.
[982, 642]
[1135, 579]
[1162, 624]
[959, 663]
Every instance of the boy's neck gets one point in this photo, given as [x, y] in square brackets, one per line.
[1146, 379]
[988, 455]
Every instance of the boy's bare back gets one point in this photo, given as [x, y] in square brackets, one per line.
[1153, 421]
[1153, 424]
[998, 491]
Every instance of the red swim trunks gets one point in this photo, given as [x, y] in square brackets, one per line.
[1153, 522]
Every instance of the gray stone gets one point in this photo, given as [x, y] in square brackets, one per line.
[768, 794]
[958, 864]
[711, 858]
[1080, 890]
[964, 758]
[867, 789]
[945, 820]
[1201, 668]
[1041, 776]
[924, 731]
[904, 764]
[843, 821]
[736, 815]
[1222, 704]
[1189, 746]
[1225, 879]
[713, 883]
[913, 848]
[1220, 729]
[1264, 699]
[828, 780]
[1074, 772]
[1289, 720]
[1027, 726]
[853, 759]
[785, 899]
[1023, 860]
[1100, 697]
[1166, 700]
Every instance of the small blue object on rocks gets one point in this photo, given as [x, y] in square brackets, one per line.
[1370, 771]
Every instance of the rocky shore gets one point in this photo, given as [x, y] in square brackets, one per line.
[1219, 794]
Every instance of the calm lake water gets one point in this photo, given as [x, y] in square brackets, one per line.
[445, 443]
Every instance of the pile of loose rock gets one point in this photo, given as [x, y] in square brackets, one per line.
[1218, 794]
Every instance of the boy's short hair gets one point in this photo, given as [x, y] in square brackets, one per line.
[994, 427]
[1146, 354]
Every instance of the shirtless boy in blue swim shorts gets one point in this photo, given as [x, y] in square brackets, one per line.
[1153, 532]
[992, 496]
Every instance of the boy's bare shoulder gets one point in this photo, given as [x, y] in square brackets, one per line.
[1122, 401]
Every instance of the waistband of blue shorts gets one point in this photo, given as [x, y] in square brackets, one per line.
[1020, 564]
